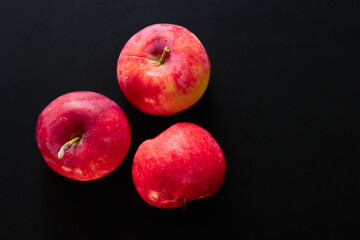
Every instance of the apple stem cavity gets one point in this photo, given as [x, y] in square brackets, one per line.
[162, 58]
[66, 146]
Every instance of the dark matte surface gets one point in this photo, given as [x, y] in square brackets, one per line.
[283, 102]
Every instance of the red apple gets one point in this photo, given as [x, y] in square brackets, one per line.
[163, 69]
[83, 135]
[181, 164]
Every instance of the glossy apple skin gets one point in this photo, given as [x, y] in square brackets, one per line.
[169, 88]
[102, 125]
[183, 162]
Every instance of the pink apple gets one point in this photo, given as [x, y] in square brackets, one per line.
[181, 164]
[83, 135]
[163, 69]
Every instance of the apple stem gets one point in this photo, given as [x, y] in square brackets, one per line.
[162, 58]
[185, 204]
[66, 146]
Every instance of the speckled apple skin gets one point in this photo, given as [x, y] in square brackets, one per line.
[102, 125]
[183, 162]
[169, 88]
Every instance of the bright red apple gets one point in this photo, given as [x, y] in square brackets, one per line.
[163, 69]
[181, 164]
[83, 135]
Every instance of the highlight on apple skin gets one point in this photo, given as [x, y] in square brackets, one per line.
[182, 164]
[163, 69]
[83, 135]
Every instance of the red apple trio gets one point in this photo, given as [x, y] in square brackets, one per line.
[162, 70]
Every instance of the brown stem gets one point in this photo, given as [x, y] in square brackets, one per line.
[185, 204]
[66, 146]
[162, 58]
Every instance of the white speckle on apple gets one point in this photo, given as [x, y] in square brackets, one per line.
[66, 169]
[149, 100]
[153, 196]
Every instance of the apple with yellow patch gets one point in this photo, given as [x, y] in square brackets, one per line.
[163, 69]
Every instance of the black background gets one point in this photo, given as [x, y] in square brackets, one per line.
[283, 102]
